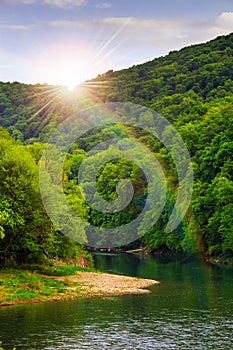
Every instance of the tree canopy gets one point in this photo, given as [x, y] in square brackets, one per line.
[192, 88]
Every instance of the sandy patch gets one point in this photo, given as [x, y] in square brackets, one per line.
[100, 284]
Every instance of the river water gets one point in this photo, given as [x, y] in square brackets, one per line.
[190, 309]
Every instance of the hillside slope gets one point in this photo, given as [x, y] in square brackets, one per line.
[193, 88]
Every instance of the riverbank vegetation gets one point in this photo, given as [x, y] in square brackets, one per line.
[31, 283]
[63, 282]
[192, 88]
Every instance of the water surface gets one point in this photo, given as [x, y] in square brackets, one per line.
[190, 309]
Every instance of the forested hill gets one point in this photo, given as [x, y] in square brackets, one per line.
[201, 72]
[193, 88]
[173, 84]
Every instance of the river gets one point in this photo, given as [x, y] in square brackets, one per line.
[190, 309]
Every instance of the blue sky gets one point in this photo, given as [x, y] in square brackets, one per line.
[68, 41]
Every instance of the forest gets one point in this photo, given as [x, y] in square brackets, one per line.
[192, 88]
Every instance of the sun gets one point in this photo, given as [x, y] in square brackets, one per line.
[68, 73]
[66, 65]
[70, 86]
[69, 78]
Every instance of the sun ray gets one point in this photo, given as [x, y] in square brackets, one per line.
[44, 93]
[42, 108]
[43, 111]
[113, 37]
[68, 69]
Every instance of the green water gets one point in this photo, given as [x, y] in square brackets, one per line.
[190, 309]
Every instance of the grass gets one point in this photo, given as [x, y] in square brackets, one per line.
[23, 286]
[18, 286]
[56, 270]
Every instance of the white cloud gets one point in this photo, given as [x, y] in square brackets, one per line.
[5, 66]
[225, 20]
[20, 1]
[68, 24]
[27, 1]
[14, 26]
[65, 3]
[162, 33]
[132, 40]
[170, 33]
[104, 5]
